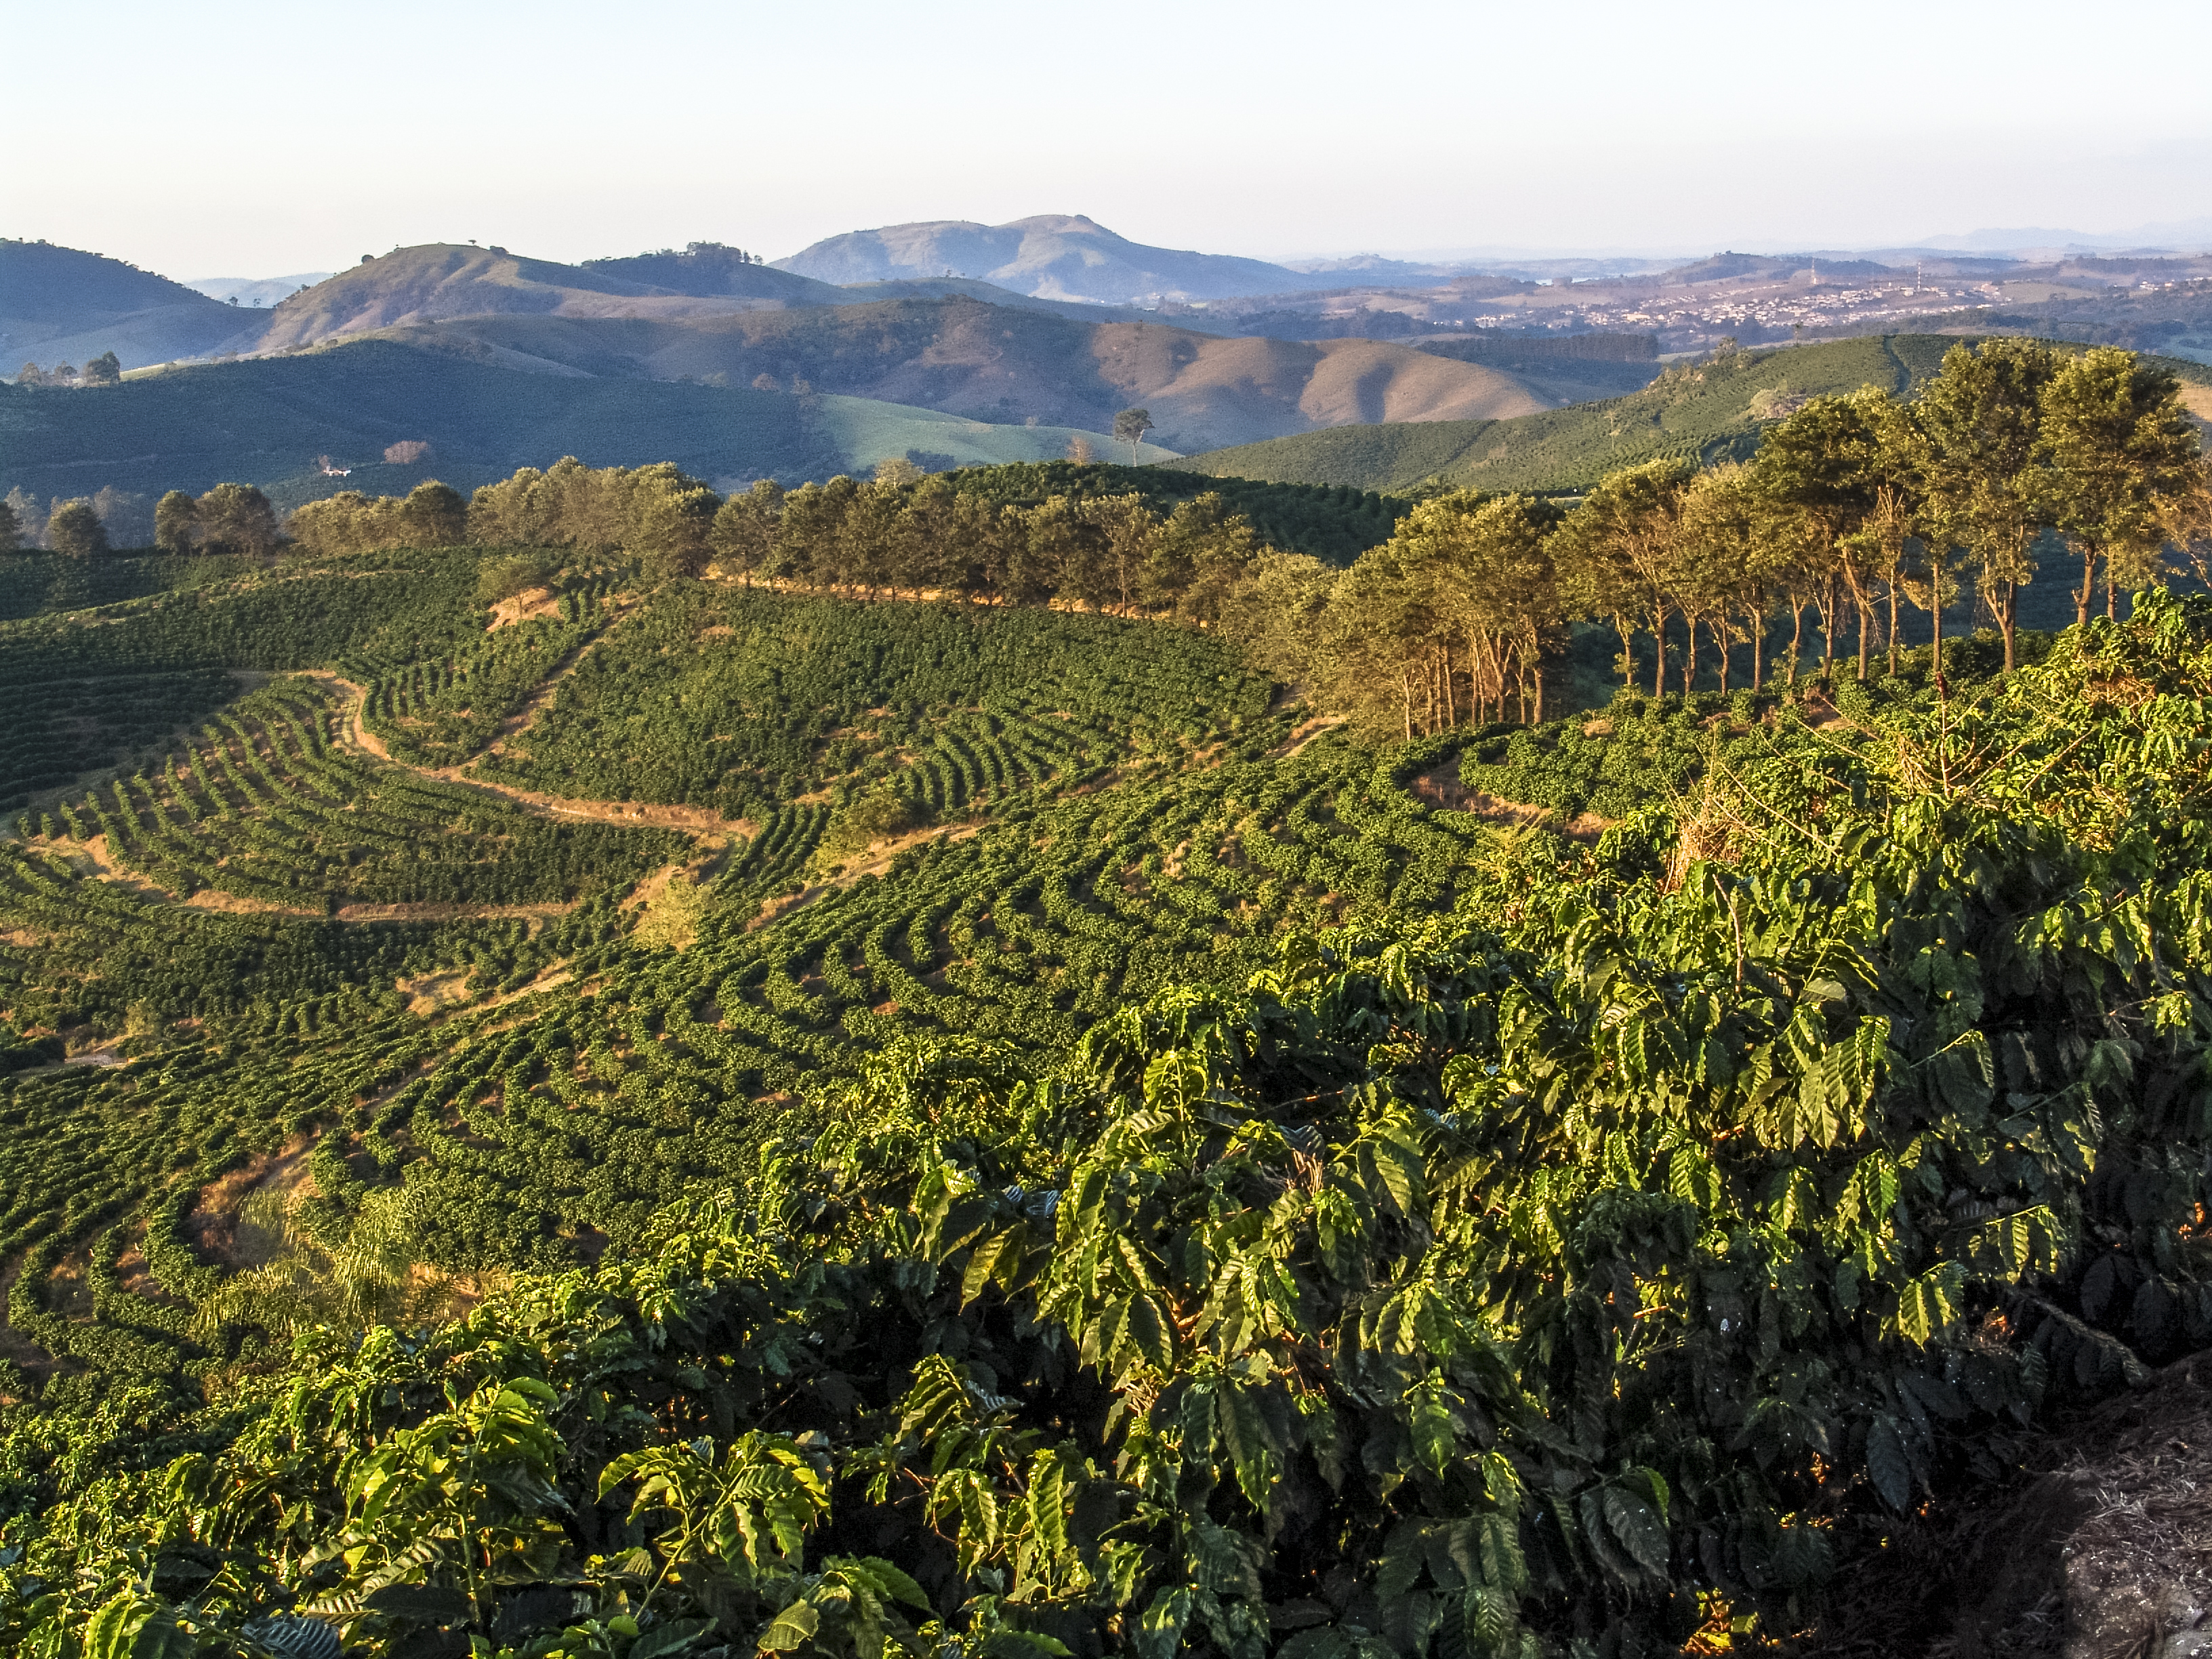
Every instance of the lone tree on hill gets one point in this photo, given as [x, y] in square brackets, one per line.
[105, 369]
[1130, 427]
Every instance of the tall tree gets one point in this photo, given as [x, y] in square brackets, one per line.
[11, 531]
[1617, 552]
[74, 529]
[1825, 459]
[2121, 451]
[1737, 550]
[743, 533]
[236, 518]
[1977, 422]
[1130, 427]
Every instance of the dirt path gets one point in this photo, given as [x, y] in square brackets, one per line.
[694, 820]
[95, 858]
[1307, 732]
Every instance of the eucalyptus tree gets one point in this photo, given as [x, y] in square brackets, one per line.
[1976, 424]
[1620, 551]
[1826, 460]
[1130, 427]
[176, 522]
[745, 528]
[1738, 552]
[2121, 452]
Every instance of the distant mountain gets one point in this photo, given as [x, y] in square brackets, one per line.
[1008, 363]
[1055, 256]
[1377, 268]
[2183, 234]
[710, 271]
[63, 305]
[440, 280]
[257, 292]
[266, 420]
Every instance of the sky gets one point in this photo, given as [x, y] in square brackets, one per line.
[257, 140]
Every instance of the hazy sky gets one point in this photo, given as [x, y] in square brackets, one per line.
[255, 139]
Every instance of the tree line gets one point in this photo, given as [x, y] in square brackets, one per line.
[1854, 511]
[899, 534]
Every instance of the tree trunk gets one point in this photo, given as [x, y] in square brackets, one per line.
[2088, 590]
[1724, 638]
[1935, 603]
[2007, 610]
[1539, 696]
[1451, 703]
[1628, 632]
[1866, 624]
[2111, 594]
[1405, 689]
[1828, 632]
[1893, 628]
[1796, 638]
[1659, 634]
[1689, 660]
[1758, 651]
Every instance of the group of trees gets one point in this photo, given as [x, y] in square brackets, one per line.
[432, 514]
[78, 525]
[899, 535]
[231, 518]
[105, 369]
[1853, 509]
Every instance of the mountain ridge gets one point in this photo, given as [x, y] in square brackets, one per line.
[1049, 256]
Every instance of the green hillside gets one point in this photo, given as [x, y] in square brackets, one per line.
[1080, 1148]
[1709, 409]
[965, 1067]
[264, 421]
[1704, 410]
[63, 305]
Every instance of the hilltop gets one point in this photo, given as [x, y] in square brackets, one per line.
[63, 304]
[1709, 409]
[441, 280]
[1052, 256]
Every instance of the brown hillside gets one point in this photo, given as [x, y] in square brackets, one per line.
[439, 281]
[1003, 364]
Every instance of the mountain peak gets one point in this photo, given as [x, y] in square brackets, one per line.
[1051, 256]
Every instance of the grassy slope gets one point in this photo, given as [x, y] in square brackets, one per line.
[1004, 363]
[264, 420]
[1702, 411]
[63, 305]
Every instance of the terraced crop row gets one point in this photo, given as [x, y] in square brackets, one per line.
[267, 808]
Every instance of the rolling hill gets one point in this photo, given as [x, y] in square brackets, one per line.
[264, 420]
[1052, 256]
[63, 304]
[440, 280]
[1708, 408]
[1003, 363]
